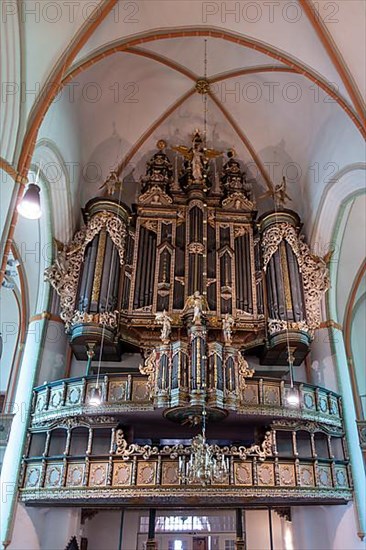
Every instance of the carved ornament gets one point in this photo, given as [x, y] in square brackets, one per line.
[262, 450]
[237, 201]
[155, 195]
[109, 319]
[244, 371]
[315, 273]
[63, 275]
[196, 248]
[277, 325]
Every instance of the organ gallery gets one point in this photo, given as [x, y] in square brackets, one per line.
[206, 294]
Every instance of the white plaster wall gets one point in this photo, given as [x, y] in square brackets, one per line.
[54, 353]
[322, 360]
[44, 528]
[103, 530]
[257, 530]
[7, 188]
[130, 528]
[24, 535]
[359, 347]
[325, 528]
[9, 328]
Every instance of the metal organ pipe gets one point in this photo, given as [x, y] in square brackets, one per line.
[90, 273]
[138, 269]
[295, 282]
[105, 300]
[237, 275]
[148, 268]
[276, 259]
[83, 299]
[143, 268]
[249, 279]
[273, 284]
[152, 268]
[241, 274]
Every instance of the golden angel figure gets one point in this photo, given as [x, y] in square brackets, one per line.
[197, 155]
[278, 194]
[199, 304]
[112, 182]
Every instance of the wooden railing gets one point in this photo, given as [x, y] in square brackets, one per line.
[120, 393]
[79, 479]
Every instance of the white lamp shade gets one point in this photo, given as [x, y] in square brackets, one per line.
[30, 205]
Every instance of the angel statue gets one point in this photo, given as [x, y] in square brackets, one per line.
[227, 328]
[197, 156]
[278, 194]
[166, 321]
[199, 305]
[112, 183]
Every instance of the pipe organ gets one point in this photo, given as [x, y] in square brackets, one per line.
[192, 279]
[195, 284]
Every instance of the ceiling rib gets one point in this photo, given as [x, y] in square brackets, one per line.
[8, 168]
[55, 81]
[252, 70]
[288, 61]
[41, 106]
[245, 141]
[336, 58]
[152, 129]
[164, 60]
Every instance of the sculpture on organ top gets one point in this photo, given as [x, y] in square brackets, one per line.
[198, 303]
[159, 170]
[233, 178]
[112, 183]
[279, 194]
[227, 328]
[197, 157]
[164, 320]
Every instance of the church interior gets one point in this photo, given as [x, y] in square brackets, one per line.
[183, 286]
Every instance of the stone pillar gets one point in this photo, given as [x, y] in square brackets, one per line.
[21, 409]
[240, 540]
[151, 542]
[349, 418]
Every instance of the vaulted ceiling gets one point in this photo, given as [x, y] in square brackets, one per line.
[94, 85]
[286, 87]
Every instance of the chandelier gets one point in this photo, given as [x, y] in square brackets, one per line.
[207, 464]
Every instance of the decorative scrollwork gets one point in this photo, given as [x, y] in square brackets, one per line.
[155, 195]
[315, 273]
[151, 225]
[243, 371]
[64, 275]
[125, 451]
[240, 230]
[196, 248]
[237, 201]
[109, 319]
[149, 369]
[277, 325]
